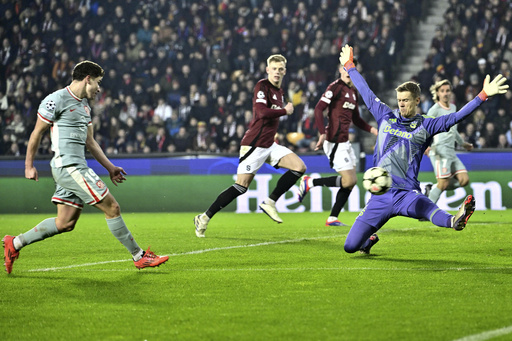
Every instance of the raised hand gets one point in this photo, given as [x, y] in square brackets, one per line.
[496, 87]
[347, 56]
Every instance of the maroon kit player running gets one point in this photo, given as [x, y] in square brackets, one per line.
[258, 147]
[340, 100]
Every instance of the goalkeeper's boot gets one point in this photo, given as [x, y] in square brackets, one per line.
[201, 226]
[304, 187]
[428, 188]
[374, 239]
[150, 259]
[270, 210]
[10, 253]
[334, 223]
[467, 208]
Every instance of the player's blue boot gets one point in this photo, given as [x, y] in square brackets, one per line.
[304, 187]
[334, 223]
[374, 239]
[467, 208]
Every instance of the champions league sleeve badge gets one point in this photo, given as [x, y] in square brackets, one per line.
[50, 105]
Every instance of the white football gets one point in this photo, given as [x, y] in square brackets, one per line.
[377, 180]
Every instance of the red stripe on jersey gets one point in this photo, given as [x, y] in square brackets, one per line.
[44, 118]
[91, 191]
[73, 95]
[67, 202]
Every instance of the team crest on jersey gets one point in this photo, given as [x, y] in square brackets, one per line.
[100, 184]
[87, 111]
[50, 105]
[328, 94]
[413, 125]
[260, 94]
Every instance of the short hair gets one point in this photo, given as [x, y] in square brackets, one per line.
[436, 86]
[276, 58]
[87, 68]
[412, 87]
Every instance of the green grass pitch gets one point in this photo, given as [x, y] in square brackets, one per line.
[253, 279]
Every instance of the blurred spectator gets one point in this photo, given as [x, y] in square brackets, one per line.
[188, 50]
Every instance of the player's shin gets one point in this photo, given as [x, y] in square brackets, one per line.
[225, 198]
[285, 182]
[118, 228]
[45, 229]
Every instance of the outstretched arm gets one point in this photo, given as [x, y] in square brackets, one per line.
[376, 107]
[443, 123]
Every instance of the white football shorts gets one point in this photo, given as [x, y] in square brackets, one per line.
[251, 163]
[341, 155]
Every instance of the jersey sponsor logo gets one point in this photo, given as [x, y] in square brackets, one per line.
[50, 105]
[398, 133]
[275, 107]
[348, 105]
[78, 135]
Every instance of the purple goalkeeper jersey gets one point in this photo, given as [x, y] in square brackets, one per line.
[402, 141]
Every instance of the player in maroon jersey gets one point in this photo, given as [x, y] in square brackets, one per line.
[258, 147]
[340, 100]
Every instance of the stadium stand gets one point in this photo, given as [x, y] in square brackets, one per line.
[180, 74]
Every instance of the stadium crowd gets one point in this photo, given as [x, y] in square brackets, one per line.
[474, 40]
[180, 74]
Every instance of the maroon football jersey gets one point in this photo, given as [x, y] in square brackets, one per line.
[341, 101]
[267, 107]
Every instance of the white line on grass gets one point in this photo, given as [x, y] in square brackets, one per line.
[186, 253]
[488, 334]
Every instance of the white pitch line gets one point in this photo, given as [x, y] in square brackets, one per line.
[487, 335]
[185, 253]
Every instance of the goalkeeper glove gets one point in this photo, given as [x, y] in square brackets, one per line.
[347, 57]
[495, 87]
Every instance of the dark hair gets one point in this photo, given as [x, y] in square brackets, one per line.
[87, 68]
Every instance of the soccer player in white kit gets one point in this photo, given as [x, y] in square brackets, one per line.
[68, 113]
[449, 169]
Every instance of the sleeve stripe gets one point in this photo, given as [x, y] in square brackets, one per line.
[326, 100]
[261, 101]
[44, 118]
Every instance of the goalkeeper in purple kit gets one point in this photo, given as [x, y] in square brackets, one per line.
[403, 138]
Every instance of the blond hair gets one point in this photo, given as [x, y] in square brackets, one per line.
[276, 58]
[412, 87]
[436, 86]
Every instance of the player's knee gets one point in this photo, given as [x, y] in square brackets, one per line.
[114, 210]
[442, 186]
[464, 182]
[348, 183]
[351, 247]
[67, 226]
[301, 168]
